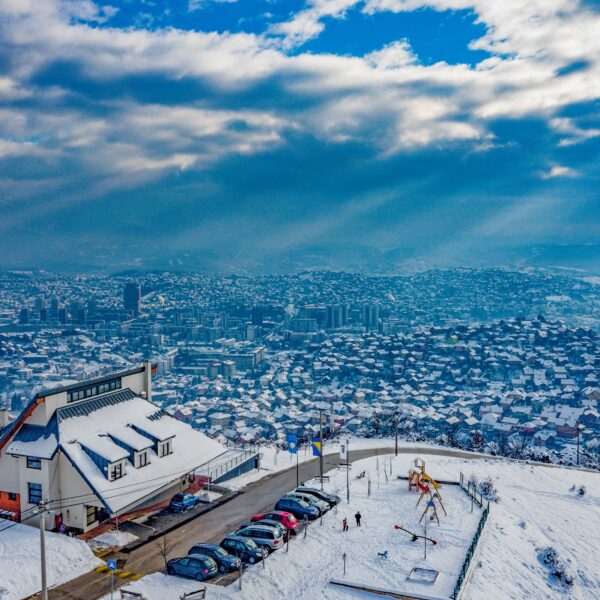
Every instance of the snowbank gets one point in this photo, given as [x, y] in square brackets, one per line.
[112, 539]
[20, 575]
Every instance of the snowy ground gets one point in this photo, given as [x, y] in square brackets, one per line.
[274, 460]
[20, 560]
[110, 539]
[537, 509]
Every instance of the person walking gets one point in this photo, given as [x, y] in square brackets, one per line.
[358, 517]
[345, 524]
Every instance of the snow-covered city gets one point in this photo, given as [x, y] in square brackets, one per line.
[299, 300]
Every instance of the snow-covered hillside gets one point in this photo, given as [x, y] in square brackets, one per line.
[537, 509]
[20, 574]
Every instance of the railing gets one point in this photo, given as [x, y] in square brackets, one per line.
[471, 490]
[214, 471]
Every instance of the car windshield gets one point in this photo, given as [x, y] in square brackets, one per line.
[250, 544]
[220, 552]
[178, 497]
[303, 503]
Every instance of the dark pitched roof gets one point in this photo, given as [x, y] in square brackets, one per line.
[86, 407]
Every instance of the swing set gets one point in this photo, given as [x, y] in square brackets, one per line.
[420, 481]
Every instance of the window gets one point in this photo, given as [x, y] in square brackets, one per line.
[141, 460]
[35, 493]
[165, 448]
[12, 496]
[34, 463]
[94, 390]
[90, 514]
[116, 471]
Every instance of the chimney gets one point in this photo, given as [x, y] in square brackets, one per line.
[148, 379]
[4, 417]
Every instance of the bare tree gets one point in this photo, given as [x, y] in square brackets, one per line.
[164, 548]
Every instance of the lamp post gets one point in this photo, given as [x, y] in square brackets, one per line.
[42, 514]
[579, 429]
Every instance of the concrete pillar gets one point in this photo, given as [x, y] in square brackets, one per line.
[148, 379]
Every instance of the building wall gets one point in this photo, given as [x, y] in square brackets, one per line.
[75, 494]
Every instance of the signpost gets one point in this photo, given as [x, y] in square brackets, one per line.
[112, 567]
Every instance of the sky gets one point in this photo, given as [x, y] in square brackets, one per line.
[270, 135]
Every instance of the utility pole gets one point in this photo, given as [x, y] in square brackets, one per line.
[42, 515]
[396, 423]
[297, 466]
[321, 440]
[348, 471]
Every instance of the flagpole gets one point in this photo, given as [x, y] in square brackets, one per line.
[321, 440]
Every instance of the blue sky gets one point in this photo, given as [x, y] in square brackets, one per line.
[260, 135]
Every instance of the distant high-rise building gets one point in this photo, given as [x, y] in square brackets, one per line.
[303, 325]
[92, 308]
[258, 315]
[24, 316]
[370, 316]
[54, 307]
[43, 315]
[39, 303]
[336, 316]
[62, 315]
[81, 316]
[132, 298]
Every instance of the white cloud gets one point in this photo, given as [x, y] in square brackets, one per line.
[386, 100]
[559, 171]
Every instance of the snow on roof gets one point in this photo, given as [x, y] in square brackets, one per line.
[191, 449]
[130, 437]
[35, 441]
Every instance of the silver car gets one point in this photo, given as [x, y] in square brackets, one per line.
[266, 536]
[313, 500]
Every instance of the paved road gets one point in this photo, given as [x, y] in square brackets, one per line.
[213, 526]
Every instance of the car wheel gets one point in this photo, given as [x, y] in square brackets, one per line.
[221, 569]
[251, 560]
[199, 577]
[170, 571]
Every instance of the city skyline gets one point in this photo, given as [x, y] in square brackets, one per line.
[261, 136]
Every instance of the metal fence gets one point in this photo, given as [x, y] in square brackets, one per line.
[219, 467]
[471, 490]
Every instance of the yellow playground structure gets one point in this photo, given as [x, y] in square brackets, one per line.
[420, 481]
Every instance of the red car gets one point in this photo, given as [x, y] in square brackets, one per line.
[288, 520]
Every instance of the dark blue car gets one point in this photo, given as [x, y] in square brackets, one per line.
[225, 561]
[246, 549]
[195, 566]
[299, 508]
[181, 502]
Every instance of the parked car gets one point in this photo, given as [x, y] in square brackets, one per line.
[268, 523]
[331, 499]
[264, 535]
[244, 548]
[287, 519]
[196, 566]
[320, 504]
[299, 508]
[225, 561]
[183, 502]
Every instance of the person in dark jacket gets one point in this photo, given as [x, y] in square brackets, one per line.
[358, 517]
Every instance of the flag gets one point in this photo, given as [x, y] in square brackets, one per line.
[344, 450]
[292, 442]
[316, 446]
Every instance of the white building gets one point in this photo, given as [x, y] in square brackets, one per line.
[95, 449]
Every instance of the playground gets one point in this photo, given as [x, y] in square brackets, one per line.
[415, 531]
